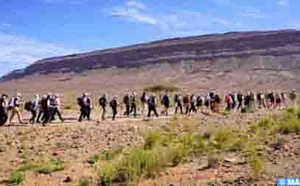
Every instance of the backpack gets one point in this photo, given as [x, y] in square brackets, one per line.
[79, 101]
[126, 99]
[166, 99]
[143, 98]
[102, 101]
[28, 105]
[186, 99]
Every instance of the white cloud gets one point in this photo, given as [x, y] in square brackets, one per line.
[19, 51]
[133, 10]
[179, 22]
[4, 26]
[253, 13]
[136, 4]
[283, 2]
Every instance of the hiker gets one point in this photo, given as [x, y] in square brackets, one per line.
[54, 108]
[166, 101]
[278, 101]
[233, 99]
[45, 104]
[293, 97]
[13, 106]
[186, 103]
[261, 100]
[216, 103]
[178, 103]
[126, 101]
[212, 100]
[200, 102]
[228, 101]
[85, 107]
[133, 104]
[247, 101]
[193, 101]
[207, 102]
[152, 103]
[114, 105]
[103, 104]
[40, 108]
[32, 106]
[3, 109]
[252, 101]
[271, 100]
[240, 99]
[143, 102]
[283, 100]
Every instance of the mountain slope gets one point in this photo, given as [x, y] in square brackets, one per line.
[207, 47]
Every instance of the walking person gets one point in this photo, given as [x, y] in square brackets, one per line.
[293, 97]
[3, 109]
[186, 103]
[166, 101]
[55, 108]
[228, 102]
[103, 104]
[152, 104]
[126, 102]
[133, 104]
[32, 107]
[193, 102]
[178, 103]
[45, 103]
[207, 103]
[85, 107]
[143, 103]
[240, 99]
[114, 106]
[200, 102]
[14, 108]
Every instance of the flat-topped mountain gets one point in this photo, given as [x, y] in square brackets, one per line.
[282, 43]
[224, 62]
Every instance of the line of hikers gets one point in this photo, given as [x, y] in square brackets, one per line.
[186, 104]
[42, 110]
[46, 108]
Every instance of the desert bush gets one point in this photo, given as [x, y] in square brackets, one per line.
[214, 160]
[162, 88]
[16, 177]
[47, 168]
[70, 106]
[152, 138]
[83, 182]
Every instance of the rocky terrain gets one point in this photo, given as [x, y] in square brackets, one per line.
[230, 61]
[29, 153]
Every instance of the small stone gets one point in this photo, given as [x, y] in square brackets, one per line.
[67, 179]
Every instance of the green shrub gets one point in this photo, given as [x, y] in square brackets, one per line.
[152, 138]
[16, 177]
[83, 182]
[162, 88]
[49, 168]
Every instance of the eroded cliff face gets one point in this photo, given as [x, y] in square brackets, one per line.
[236, 51]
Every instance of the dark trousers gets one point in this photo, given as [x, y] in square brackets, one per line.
[180, 107]
[127, 110]
[228, 107]
[152, 108]
[85, 112]
[46, 116]
[40, 116]
[133, 109]
[55, 111]
[114, 112]
[193, 108]
[103, 112]
[239, 106]
[187, 109]
[3, 118]
[167, 109]
[33, 116]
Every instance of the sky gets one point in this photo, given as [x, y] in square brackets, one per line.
[31, 30]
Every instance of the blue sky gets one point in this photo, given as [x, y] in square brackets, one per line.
[35, 29]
